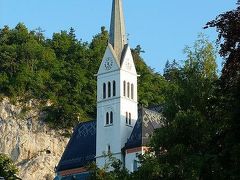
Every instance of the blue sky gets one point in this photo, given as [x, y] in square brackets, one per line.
[162, 28]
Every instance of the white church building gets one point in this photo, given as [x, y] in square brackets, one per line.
[122, 127]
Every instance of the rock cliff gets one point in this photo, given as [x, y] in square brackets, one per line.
[35, 148]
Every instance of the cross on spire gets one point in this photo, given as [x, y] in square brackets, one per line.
[117, 37]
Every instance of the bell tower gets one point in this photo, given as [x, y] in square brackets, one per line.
[117, 109]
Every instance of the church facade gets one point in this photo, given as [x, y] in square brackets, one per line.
[122, 128]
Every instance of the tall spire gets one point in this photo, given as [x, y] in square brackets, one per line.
[117, 36]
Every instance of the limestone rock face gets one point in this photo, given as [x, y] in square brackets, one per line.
[35, 148]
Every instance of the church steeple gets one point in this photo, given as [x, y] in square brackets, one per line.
[117, 107]
[117, 36]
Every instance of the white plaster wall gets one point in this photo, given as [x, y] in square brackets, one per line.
[115, 135]
[128, 62]
[131, 107]
[101, 161]
[130, 158]
[108, 135]
[109, 53]
[105, 78]
[127, 104]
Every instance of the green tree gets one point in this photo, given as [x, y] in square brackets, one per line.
[227, 106]
[180, 146]
[112, 170]
[61, 70]
[7, 168]
[150, 83]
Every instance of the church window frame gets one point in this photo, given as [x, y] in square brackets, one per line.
[114, 88]
[132, 91]
[108, 149]
[111, 117]
[124, 88]
[104, 90]
[109, 89]
[128, 90]
[129, 118]
[107, 118]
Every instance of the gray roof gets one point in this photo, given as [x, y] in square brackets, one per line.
[117, 36]
[147, 122]
[81, 148]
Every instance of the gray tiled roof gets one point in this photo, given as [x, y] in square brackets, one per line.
[147, 122]
[81, 148]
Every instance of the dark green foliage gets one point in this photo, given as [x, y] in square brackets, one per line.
[7, 169]
[112, 170]
[180, 146]
[228, 96]
[149, 82]
[61, 71]
[150, 168]
[200, 138]
[58, 70]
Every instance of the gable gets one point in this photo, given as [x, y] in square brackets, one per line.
[109, 62]
[127, 62]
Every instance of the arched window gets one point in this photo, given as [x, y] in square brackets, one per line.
[107, 118]
[104, 90]
[114, 88]
[124, 88]
[111, 117]
[126, 117]
[132, 91]
[128, 89]
[109, 89]
[129, 118]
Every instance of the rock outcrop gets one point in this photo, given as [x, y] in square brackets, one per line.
[35, 148]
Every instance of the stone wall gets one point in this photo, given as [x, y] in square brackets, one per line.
[24, 137]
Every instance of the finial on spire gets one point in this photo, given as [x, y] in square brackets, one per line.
[117, 37]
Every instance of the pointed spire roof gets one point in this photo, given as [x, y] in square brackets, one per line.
[117, 36]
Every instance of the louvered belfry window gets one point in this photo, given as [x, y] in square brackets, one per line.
[114, 88]
[111, 117]
[109, 89]
[107, 118]
[104, 91]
